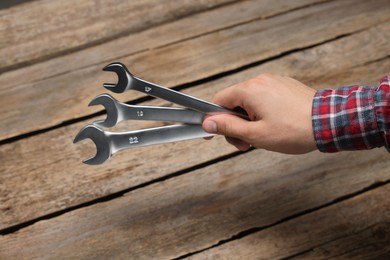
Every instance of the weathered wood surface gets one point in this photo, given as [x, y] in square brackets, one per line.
[27, 165]
[358, 228]
[197, 210]
[196, 197]
[40, 29]
[69, 93]
[154, 37]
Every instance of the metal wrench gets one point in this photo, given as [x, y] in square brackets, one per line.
[118, 112]
[108, 143]
[127, 81]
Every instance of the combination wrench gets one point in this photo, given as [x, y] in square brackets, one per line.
[108, 143]
[118, 112]
[127, 81]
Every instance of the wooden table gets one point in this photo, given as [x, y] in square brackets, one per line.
[195, 199]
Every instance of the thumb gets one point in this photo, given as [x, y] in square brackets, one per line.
[227, 125]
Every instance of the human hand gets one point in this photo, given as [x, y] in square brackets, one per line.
[280, 112]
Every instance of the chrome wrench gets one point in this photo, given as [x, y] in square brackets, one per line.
[118, 112]
[108, 143]
[127, 81]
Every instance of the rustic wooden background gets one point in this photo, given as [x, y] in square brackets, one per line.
[195, 199]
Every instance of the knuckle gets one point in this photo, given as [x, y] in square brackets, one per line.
[215, 98]
[265, 76]
[251, 83]
[219, 97]
[227, 128]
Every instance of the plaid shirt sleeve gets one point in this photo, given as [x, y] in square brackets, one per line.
[352, 118]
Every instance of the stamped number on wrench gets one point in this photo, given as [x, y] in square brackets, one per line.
[140, 113]
[133, 140]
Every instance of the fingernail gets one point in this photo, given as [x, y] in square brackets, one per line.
[210, 126]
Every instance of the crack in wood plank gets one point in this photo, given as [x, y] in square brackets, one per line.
[118, 194]
[326, 233]
[369, 249]
[254, 230]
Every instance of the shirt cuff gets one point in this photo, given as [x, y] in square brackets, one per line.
[382, 110]
[346, 118]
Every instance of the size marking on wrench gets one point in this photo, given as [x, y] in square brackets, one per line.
[108, 143]
[140, 113]
[133, 140]
[118, 112]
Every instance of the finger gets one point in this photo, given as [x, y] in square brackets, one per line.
[231, 97]
[239, 144]
[227, 125]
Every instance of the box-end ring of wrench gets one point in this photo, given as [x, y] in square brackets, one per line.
[127, 81]
[118, 112]
[108, 143]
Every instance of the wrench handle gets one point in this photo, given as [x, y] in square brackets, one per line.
[158, 135]
[180, 98]
[162, 114]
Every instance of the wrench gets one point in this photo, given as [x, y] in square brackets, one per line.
[108, 143]
[127, 81]
[118, 112]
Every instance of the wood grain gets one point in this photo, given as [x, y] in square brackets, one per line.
[171, 200]
[38, 179]
[196, 210]
[67, 95]
[41, 29]
[358, 228]
[157, 36]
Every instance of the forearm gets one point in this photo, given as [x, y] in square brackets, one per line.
[352, 118]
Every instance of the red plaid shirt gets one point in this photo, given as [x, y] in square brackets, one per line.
[352, 118]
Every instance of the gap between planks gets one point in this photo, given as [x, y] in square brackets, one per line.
[254, 230]
[9, 3]
[368, 238]
[115, 195]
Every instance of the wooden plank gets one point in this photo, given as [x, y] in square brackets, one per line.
[36, 180]
[41, 29]
[72, 91]
[157, 36]
[196, 210]
[358, 228]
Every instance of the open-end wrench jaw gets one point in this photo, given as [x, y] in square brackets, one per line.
[103, 151]
[110, 105]
[125, 78]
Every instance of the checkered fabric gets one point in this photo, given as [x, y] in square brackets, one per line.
[352, 118]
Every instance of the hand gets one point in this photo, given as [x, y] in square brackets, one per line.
[279, 109]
